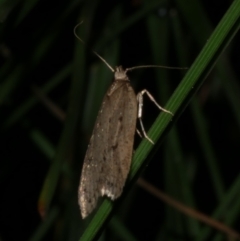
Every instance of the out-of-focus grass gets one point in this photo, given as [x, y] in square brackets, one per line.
[38, 48]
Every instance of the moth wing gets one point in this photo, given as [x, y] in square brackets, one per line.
[90, 183]
[106, 167]
[122, 127]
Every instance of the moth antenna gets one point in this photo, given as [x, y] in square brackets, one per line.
[101, 58]
[104, 61]
[153, 66]
[74, 31]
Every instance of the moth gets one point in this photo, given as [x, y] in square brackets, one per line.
[108, 158]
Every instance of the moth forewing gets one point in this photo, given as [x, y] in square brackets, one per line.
[108, 158]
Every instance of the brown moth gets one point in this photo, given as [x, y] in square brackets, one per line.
[108, 158]
[109, 154]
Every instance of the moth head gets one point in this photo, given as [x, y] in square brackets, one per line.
[120, 74]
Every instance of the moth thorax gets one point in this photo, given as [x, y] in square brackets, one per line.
[120, 74]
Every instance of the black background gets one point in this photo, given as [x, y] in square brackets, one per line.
[38, 43]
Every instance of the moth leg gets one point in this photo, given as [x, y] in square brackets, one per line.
[139, 133]
[153, 100]
[144, 132]
[140, 107]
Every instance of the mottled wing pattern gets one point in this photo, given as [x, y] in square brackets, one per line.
[106, 166]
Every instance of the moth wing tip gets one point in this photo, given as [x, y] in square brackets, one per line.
[110, 193]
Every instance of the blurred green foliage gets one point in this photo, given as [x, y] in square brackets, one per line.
[52, 85]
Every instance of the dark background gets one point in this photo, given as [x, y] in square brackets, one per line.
[42, 63]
